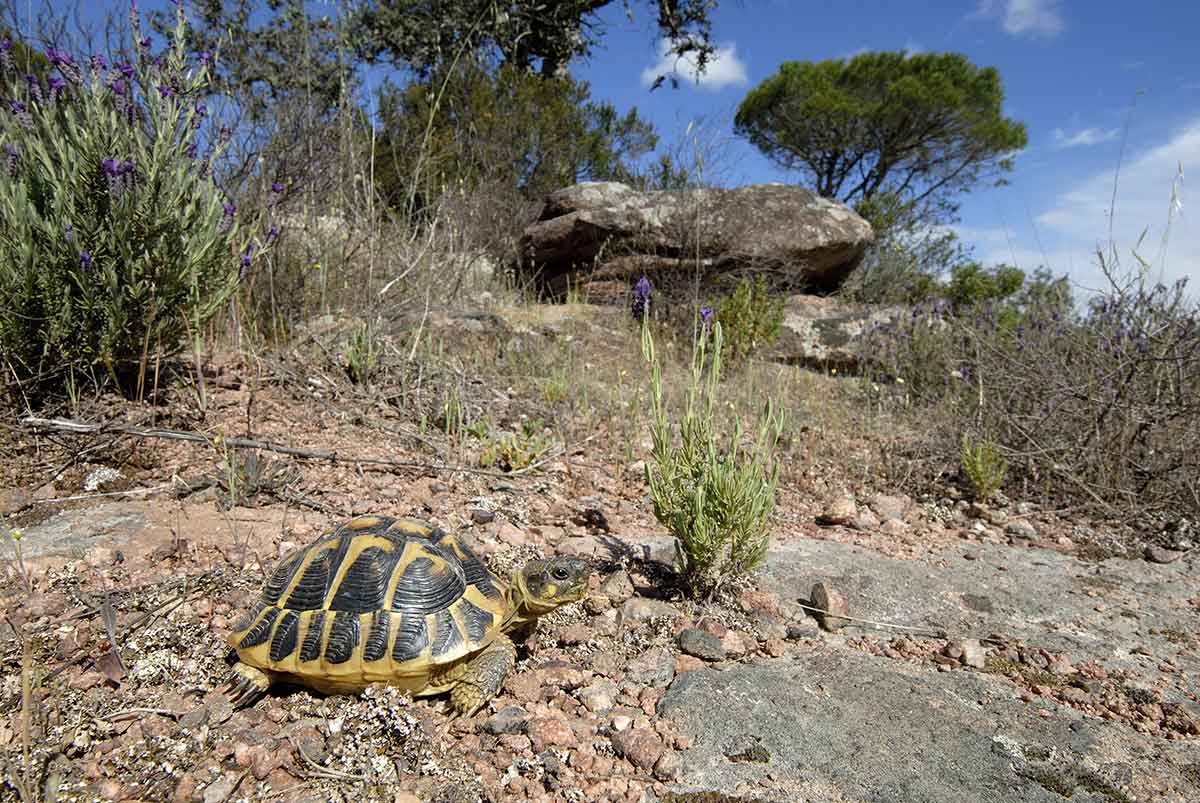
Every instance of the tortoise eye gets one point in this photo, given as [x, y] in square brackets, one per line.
[559, 573]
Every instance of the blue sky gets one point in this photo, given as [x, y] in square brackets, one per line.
[1097, 83]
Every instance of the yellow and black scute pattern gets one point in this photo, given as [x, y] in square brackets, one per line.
[378, 598]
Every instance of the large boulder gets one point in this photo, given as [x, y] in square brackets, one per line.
[823, 333]
[602, 236]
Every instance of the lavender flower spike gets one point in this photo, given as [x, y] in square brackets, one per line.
[641, 300]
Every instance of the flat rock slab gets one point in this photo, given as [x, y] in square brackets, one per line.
[74, 530]
[840, 725]
[1126, 614]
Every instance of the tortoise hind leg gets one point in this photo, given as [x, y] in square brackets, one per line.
[246, 685]
[480, 679]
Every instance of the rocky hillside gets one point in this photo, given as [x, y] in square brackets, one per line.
[959, 653]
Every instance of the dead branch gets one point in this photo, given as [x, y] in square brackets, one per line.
[83, 428]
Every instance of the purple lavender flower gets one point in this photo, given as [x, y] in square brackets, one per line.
[245, 262]
[229, 208]
[35, 87]
[200, 109]
[99, 64]
[113, 176]
[10, 159]
[706, 315]
[65, 64]
[191, 150]
[207, 59]
[166, 91]
[126, 69]
[272, 235]
[641, 298]
[57, 86]
[6, 61]
[277, 187]
[85, 260]
[21, 112]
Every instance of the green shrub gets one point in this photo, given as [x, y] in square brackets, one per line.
[115, 243]
[750, 319]
[716, 502]
[364, 352]
[983, 465]
[513, 451]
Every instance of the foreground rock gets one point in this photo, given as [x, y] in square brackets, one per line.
[814, 240]
[1129, 614]
[848, 726]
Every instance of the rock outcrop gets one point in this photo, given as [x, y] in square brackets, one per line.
[825, 333]
[602, 236]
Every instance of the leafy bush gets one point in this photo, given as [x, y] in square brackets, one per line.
[503, 131]
[114, 241]
[750, 319]
[513, 451]
[716, 502]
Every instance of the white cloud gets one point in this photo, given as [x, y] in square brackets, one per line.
[1085, 137]
[722, 70]
[1024, 17]
[1066, 234]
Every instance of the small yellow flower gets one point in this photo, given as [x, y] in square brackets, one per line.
[16, 534]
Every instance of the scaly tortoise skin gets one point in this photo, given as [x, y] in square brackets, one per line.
[396, 601]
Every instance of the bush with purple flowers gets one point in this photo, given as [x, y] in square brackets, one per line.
[115, 245]
[1099, 403]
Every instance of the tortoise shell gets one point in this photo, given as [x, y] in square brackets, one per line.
[376, 599]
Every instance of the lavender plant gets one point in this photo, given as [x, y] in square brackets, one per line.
[715, 501]
[115, 243]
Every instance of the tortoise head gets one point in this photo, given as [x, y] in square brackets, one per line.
[543, 585]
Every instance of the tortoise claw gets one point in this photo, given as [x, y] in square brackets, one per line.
[245, 686]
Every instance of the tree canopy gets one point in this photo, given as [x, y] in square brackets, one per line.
[907, 132]
[534, 35]
[503, 127]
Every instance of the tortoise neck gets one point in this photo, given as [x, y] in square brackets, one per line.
[522, 610]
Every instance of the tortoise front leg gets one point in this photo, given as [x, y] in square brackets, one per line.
[480, 679]
[246, 685]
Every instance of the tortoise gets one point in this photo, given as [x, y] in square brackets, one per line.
[399, 601]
